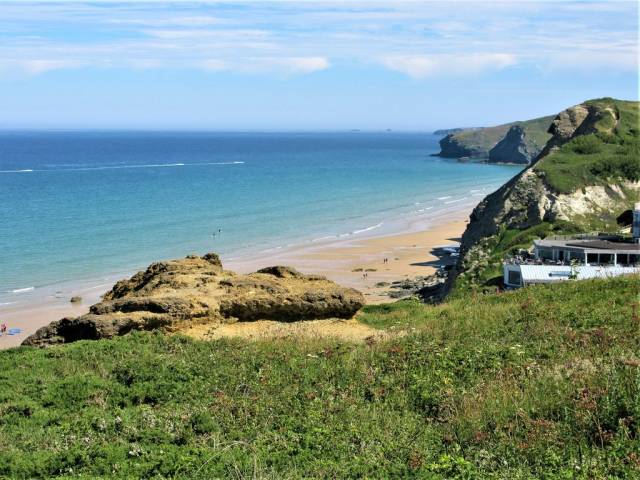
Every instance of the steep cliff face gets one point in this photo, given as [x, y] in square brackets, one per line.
[513, 148]
[456, 146]
[476, 143]
[529, 201]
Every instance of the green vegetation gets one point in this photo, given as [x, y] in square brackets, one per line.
[539, 383]
[479, 141]
[483, 272]
[606, 151]
[610, 153]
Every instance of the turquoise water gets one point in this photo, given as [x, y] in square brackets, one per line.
[78, 206]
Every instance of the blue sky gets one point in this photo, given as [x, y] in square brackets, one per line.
[309, 65]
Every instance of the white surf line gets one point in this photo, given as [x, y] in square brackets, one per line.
[454, 201]
[372, 227]
[118, 167]
[22, 290]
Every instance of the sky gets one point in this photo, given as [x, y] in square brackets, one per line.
[312, 65]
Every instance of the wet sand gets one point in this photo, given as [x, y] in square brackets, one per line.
[342, 260]
[345, 261]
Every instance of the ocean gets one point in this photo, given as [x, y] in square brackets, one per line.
[87, 207]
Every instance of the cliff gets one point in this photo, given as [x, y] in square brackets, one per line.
[477, 143]
[584, 177]
[176, 294]
[513, 148]
[447, 131]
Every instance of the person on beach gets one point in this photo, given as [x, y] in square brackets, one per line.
[3, 329]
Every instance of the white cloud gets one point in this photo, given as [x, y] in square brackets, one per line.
[175, 21]
[199, 34]
[421, 66]
[213, 65]
[38, 66]
[418, 38]
[302, 64]
[595, 62]
[286, 65]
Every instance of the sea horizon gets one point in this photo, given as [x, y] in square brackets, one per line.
[211, 181]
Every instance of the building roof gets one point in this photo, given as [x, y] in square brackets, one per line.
[605, 245]
[552, 273]
[613, 247]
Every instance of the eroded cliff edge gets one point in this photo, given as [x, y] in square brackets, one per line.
[513, 141]
[587, 172]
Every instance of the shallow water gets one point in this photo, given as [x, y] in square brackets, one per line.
[85, 206]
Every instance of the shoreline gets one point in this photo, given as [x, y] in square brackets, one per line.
[410, 254]
[408, 248]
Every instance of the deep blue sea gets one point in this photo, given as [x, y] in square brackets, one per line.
[78, 206]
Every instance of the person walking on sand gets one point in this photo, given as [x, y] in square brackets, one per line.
[3, 329]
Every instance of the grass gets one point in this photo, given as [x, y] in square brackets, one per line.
[608, 155]
[539, 383]
[484, 274]
[481, 140]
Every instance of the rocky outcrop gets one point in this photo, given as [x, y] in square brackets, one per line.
[513, 148]
[477, 143]
[454, 146]
[576, 120]
[176, 294]
[527, 200]
[447, 131]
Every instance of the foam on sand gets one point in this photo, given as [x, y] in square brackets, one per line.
[372, 227]
[456, 200]
[23, 290]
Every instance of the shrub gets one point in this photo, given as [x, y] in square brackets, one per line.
[586, 144]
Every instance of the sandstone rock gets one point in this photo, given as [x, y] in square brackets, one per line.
[565, 125]
[175, 294]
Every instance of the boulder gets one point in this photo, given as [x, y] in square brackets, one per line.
[174, 294]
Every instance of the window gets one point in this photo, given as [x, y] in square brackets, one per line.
[545, 253]
[514, 277]
[576, 256]
[606, 258]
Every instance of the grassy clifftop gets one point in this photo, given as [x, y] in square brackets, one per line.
[539, 383]
[608, 150]
[476, 142]
[583, 179]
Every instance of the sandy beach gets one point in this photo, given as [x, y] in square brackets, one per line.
[409, 254]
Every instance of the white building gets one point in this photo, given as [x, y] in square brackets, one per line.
[581, 257]
[635, 226]
[521, 275]
[588, 251]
